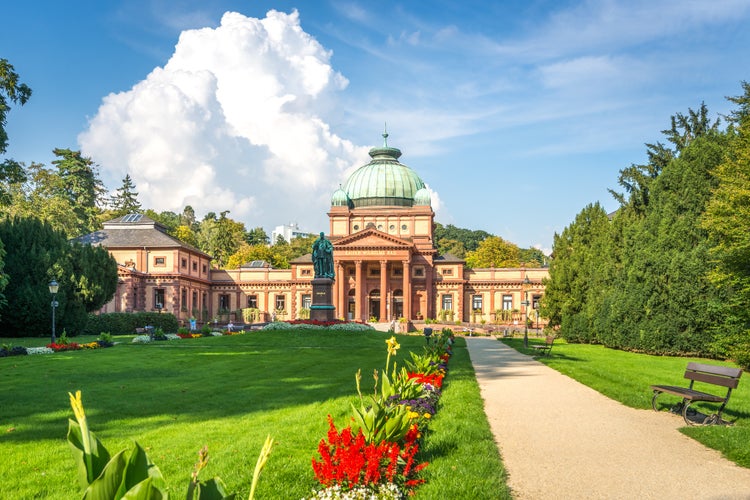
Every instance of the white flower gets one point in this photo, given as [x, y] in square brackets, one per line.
[387, 491]
[39, 350]
[141, 339]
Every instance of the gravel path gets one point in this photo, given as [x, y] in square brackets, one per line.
[562, 440]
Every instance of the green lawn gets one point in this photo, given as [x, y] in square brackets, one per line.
[228, 393]
[626, 377]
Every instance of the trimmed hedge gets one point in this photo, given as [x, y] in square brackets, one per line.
[126, 323]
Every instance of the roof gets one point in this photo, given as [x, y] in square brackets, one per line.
[446, 258]
[134, 231]
[382, 182]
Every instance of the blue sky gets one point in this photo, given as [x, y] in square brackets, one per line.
[517, 114]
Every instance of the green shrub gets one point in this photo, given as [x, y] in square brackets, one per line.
[126, 323]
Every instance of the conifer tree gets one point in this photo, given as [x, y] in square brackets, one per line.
[126, 200]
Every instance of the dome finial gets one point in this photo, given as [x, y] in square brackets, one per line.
[385, 135]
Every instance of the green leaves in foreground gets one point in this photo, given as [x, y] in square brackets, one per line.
[126, 475]
[130, 474]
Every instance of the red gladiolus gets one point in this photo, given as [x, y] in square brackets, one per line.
[435, 379]
[346, 460]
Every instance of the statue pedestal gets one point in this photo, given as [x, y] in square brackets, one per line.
[322, 308]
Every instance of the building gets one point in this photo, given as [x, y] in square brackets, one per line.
[288, 232]
[387, 265]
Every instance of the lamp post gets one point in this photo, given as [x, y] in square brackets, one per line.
[525, 303]
[53, 287]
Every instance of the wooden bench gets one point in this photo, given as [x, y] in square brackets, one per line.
[706, 375]
[546, 348]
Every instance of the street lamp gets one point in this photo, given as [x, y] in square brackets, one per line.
[525, 303]
[53, 286]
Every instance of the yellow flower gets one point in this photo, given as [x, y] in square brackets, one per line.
[413, 415]
[393, 346]
[427, 415]
[77, 404]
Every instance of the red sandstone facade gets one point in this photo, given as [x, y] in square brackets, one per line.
[385, 257]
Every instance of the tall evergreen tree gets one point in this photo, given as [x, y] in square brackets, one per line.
[574, 279]
[725, 220]
[81, 187]
[126, 200]
[37, 253]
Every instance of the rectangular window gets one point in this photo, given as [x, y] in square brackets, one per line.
[204, 268]
[447, 272]
[447, 302]
[419, 272]
[184, 263]
[158, 298]
[373, 271]
[280, 302]
[194, 304]
[225, 302]
[195, 266]
[306, 301]
[307, 272]
[535, 301]
[160, 261]
[350, 271]
[507, 302]
[252, 301]
[205, 302]
[476, 303]
[183, 299]
[398, 271]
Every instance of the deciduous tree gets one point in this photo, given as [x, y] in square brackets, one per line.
[494, 252]
[11, 90]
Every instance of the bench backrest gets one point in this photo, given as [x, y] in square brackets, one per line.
[712, 374]
[549, 340]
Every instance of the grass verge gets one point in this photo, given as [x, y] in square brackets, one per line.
[626, 377]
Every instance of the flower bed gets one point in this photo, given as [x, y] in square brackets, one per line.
[378, 457]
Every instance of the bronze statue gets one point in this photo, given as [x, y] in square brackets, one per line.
[322, 256]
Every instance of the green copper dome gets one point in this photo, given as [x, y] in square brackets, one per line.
[340, 198]
[422, 198]
[384, 181]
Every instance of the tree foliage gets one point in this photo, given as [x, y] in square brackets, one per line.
[11, 90]
[69, 196]
[494, 251]
[81, 187]
[36, 254]
[726, 220]
[446, 236]
[220, 237]
[126, 200]
[650, 278]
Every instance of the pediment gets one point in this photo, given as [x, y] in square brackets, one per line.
[371, 238]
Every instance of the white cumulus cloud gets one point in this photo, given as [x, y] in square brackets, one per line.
[235, 120]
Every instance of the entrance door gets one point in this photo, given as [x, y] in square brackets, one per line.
[374, 304]
[398, 304]
[375, 309]
[350, 313]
